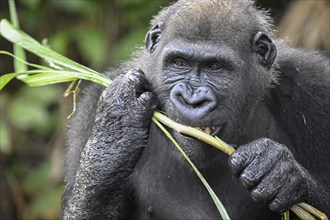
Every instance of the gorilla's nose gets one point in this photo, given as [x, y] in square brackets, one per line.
[193, 102]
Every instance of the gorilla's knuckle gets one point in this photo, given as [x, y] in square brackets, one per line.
[266, 143]
[282, 152]
[265, 140]
[277, 205]
[248, 179]
[135, 75]
[277, 150]
[148, 101]
[263, 193]
[258, 195]
[235, 162]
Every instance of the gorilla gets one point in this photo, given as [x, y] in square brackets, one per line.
[214, 65]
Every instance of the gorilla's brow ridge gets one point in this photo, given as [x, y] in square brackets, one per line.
[186, 50]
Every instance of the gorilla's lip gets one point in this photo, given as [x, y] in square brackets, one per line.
[213, 131]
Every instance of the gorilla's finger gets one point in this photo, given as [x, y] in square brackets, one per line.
[240, 159]
[262, 165]
[149, 100]
[137, 77]
[270, 185]
[134, 75]
[245, 154]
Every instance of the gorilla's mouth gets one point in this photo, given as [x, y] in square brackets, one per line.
[209, 130]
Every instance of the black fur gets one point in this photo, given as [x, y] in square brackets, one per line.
[215, 64]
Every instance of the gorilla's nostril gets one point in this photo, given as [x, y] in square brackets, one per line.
[193, 102]
[201, 104]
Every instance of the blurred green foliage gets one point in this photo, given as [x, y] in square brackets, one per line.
[95, 33]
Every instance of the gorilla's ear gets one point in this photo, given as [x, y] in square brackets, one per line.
[265, 48]
[153, 37]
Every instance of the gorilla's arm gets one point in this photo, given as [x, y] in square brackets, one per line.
[300, 103]
[120, 130]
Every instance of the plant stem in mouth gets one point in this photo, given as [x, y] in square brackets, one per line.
[191, 131]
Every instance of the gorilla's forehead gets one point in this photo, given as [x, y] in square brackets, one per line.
[207, 35]
[207, 39]
[197, 50]
[228, 20]
[209, 29]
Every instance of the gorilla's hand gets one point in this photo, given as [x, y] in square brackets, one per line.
[123, 117]
[269, 170]
[119, 134]
[128, 103]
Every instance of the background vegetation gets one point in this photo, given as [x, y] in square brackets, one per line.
[98, 34]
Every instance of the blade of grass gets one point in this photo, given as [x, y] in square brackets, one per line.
[313, 211]
[18, 51]
[286, 215]
[216, 200]
[39, 77]
[24, 61]
[301, 213]
[16, 36]
[48, 76]
[5, 79]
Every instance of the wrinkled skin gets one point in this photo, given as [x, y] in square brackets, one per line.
[124, 106]
[281, 182]
[270, 101]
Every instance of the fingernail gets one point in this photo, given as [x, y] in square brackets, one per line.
[236, 160]
[133, 76]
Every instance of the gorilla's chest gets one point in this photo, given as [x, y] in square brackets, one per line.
[165, 194]
[166, 188]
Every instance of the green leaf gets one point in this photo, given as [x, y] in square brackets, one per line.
[24, 61]
[40, 77]
[286, 215]
[25, 41]
[47, 78]
[18, 51]
[5, 79]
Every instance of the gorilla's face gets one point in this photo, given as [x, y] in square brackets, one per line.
[199, 89]
[198, 80]
[212, 85]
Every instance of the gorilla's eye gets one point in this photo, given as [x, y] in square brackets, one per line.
[214, 66]
[180, 62]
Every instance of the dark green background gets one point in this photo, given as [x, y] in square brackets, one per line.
[96, 33]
